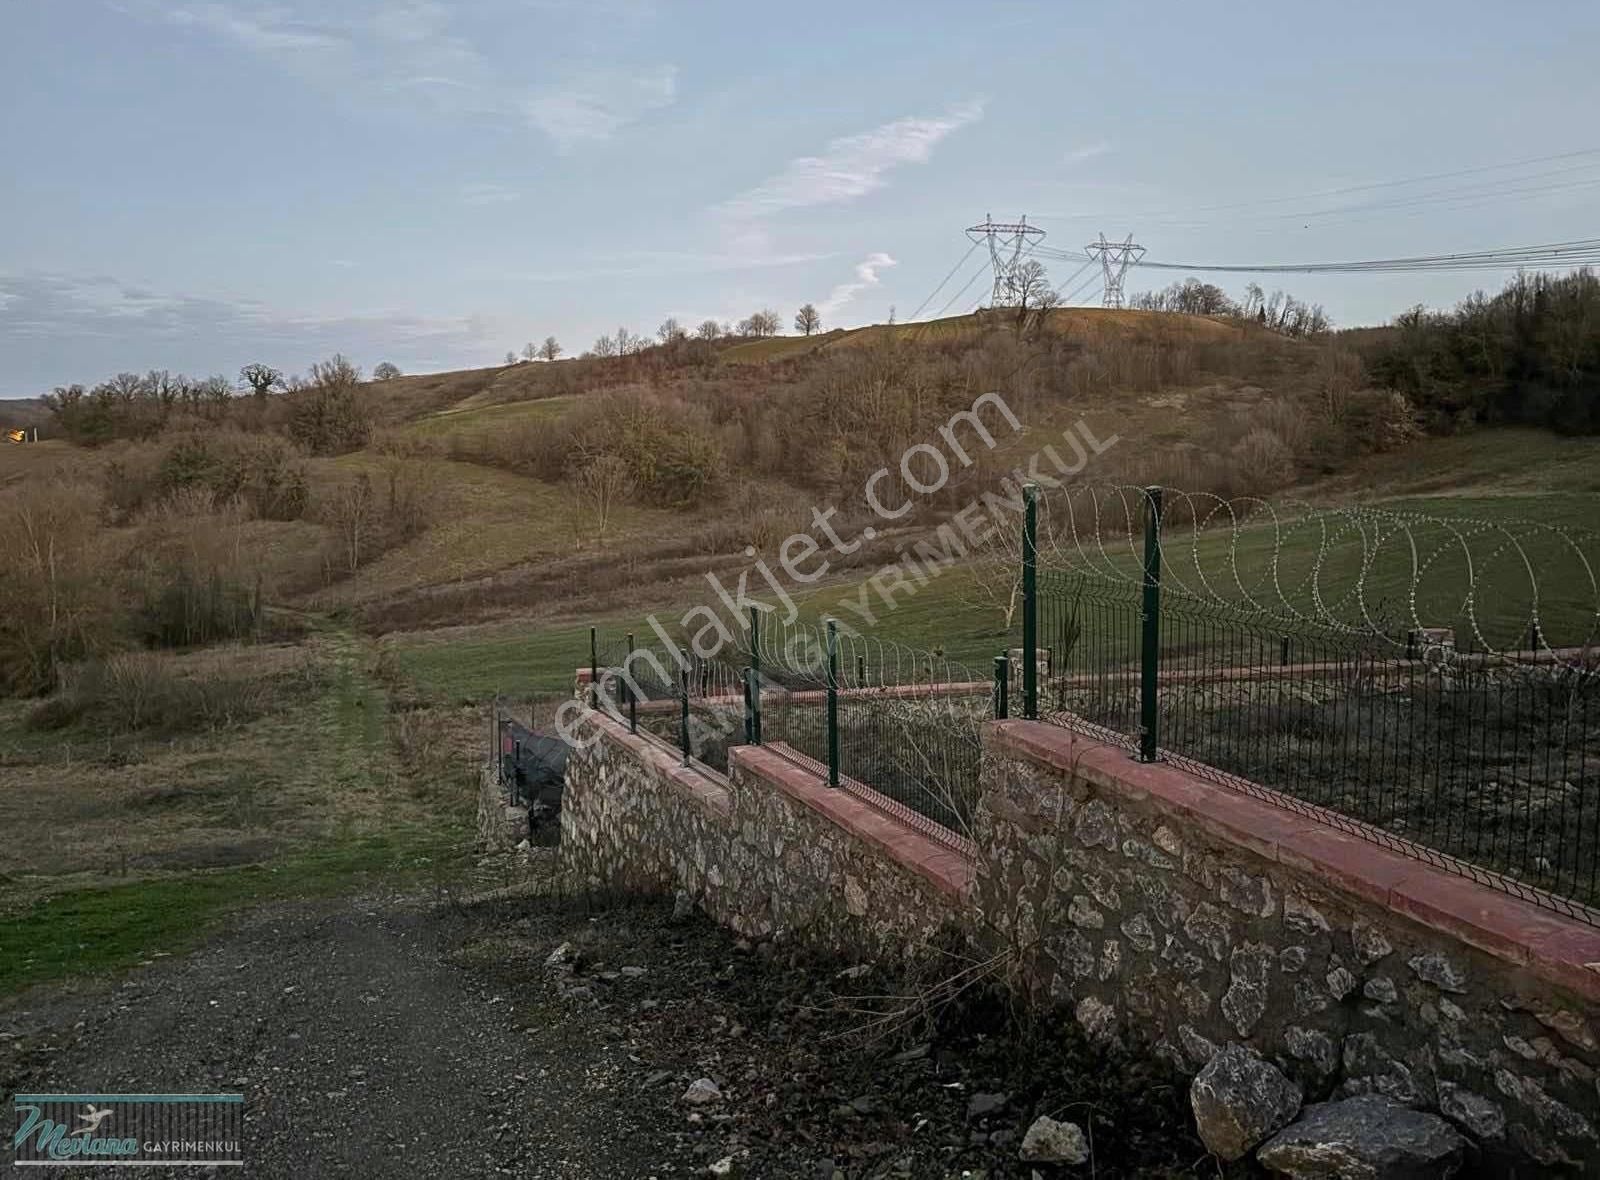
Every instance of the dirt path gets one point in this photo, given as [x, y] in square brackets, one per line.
[389, 1034]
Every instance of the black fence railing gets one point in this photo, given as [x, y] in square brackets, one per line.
[1475, 746]
[1484, 761]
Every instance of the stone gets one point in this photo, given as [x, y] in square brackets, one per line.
[1366, 1136]
[1195, 1047]
[1077, 955]
[1239, 1099]
[1050, 1142]
[1380, 989]
[728, 1165]
[1098, 1021]
[701, 1092]
[1246, 892]
[682, 906]
[1299, 914]
[1472, 1112]
[564, 957]
[1167, 840]
[1308, 1044]
[1097, 826]
[1245, 1001]
[1209, 927]
[1138, 932]
[1110, 959]
[1309, 997]
[1552, 1112]
[1292, 959]
[1340, 982]
[1570, 1027]
[1103, 890]
[855, 897]
[1369, 1068]
[1081, 912]
[1439, 971]
[631, 972]
[986, 1104]
[1370, 943]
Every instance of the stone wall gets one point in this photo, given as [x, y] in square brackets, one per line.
[769, 850]
[1163, 909]
[502, 823]
[1157, 908]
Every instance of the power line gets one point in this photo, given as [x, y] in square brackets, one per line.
[1573, 253]
[977, 274]
[934, 293]
[1148, 215]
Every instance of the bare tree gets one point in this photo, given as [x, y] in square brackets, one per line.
[670, 331]
[511, 357]
[807, 320]
[350, 508]
[550, 349]
[260, 379]
[1032, 292]
[604, 346]
[603, 483]
[385, 371]
[529, 351]
[760, 324]
[627, 342]
[708, 330]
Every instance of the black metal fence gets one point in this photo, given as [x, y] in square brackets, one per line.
[1485, 761]
[1297, 684]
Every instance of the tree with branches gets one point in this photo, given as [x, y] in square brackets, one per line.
[807, 320]
[550, 349]
[260, 379]
[385, 371]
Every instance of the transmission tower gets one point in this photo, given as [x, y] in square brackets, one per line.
[1115, 259]
[1006, 240]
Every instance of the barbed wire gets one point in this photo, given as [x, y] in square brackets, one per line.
[1508, 587]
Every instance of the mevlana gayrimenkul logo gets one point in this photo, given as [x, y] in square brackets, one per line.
[128, 1129]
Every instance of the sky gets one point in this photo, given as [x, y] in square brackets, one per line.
[199, 184]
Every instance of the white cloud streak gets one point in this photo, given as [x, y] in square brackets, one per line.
[866, 276]
[852, 166]
[387, 51]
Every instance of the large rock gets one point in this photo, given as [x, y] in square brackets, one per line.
[1239, 1100]
[1050, 1142]
[1369, 1137]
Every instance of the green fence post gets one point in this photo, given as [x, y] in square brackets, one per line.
[683, 713]
[1002, 684]
[861, 670]
[1150, 619]
[494, 739]
[627, 687]
[833, 703]
[594, 670]
[1030, 602]
[749, 710]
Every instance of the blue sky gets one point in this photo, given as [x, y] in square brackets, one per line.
[195, 184]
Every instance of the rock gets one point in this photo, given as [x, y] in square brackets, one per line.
[701, 1092]
[1098, 1020]
[865, 1104]
[682, 906]
[1380, 989]
[1370, 943]
[1439, 971]
[1050, 1142]
[564, 956]
[984, 1104]
[1239, 1099]
[728, 1165]
[915, 1053]
[632, 972]
[1571, 1027]
[1367, 1136]
[1308, 1044]
[1340, 982]
[656, 1078]
[1477, 1114]
[1195, 1047]
[1301, 915]
[1081, 912]
[1245, 1001]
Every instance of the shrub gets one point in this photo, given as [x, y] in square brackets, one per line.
[143, 692]
[330, 415]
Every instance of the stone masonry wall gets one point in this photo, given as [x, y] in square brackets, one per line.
[1184, 916]
[769, 851]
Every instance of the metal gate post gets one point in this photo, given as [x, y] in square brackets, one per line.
[1030, 602]
[1150, 618]
[833, 703]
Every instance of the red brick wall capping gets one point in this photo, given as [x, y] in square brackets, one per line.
[942, 867]
[1553, 947]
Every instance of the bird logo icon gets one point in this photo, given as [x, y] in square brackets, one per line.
[91, 1118]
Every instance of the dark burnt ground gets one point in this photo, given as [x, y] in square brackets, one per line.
[811, 1084]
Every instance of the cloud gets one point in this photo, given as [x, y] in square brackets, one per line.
[488, 193]
[65, 328]
[387, 51]
[866, 276]
[852, 166]
[1086, 152]
[592, 107]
